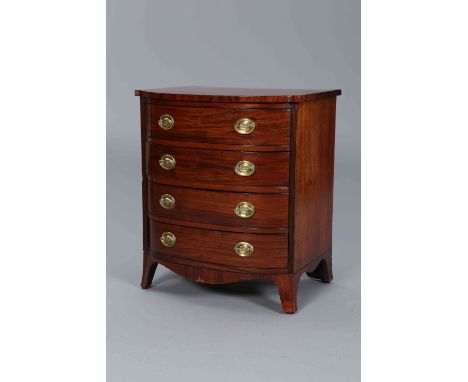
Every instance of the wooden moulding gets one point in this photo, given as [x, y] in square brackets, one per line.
[320, 268]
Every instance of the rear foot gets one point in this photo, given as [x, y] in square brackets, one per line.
[323, 271]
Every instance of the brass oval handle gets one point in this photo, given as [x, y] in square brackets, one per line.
[244, 249]
[244, 168]
[167, 201]
[244, 209]
[168, 239]
[167, 162]
[166, 122]
[244, 126]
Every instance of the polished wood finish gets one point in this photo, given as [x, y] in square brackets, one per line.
[212, 207]
[223, 105]
[206, 94]
[216, 125]
[312, 196]
[144, 116]
[149, 269]
[221, 274]
[218, 146]
[210, 246]
[292, 148]
[287, 286]
[323, 271]
[229, 228]
[213, 169]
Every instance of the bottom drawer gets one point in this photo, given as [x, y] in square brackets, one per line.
[220, 247]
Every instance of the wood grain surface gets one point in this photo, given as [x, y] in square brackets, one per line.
[216, 125]
[292, 149]
[212, 169]
[210, 246]
[217, 208]
[312, 191]
[213, 94]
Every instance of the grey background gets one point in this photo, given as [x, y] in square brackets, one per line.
[179, 330]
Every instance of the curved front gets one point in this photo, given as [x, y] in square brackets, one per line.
[218, 208]
[215, 169]
[270, 251]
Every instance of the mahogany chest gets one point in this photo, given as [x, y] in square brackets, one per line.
[238, 185]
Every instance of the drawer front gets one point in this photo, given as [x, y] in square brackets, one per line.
[218, 247]
[217, 125]
[213, 169]
[220, 208]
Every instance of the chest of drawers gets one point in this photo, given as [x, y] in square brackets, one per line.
[238, 185]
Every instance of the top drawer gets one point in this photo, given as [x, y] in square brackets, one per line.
[220, 125]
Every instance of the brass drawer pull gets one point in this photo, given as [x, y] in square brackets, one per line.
[167, 201]
[168, 239]
[244, 249]
[244, 168]
[166, 122]
[244, 126]
[244, 209]
[167, 162]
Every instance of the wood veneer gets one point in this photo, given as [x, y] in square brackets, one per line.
[210, 246]
[213, 94]
[292, 188]
[214, 169]
[214, 125]
[213, 207]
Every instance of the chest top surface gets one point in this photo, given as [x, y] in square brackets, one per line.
[219, 94]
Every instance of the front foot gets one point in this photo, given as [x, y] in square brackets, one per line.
[288, 285]
[149, 268]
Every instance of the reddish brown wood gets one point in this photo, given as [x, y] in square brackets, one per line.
[287, 285]
[211, 169]
[210, 246]
[327, 165]
[229, 228]
[218, 146]
[202, 274]
[323, 271]
[144, 111]
[160, 258]
[216, 125]
[217, 208]
[149, 268]
[210, 94]
[292, 186]
[220, 274]
[224, 105]
[312, 191]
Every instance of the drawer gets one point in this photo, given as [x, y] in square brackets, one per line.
[217, 125]
[218, 247]
[217, 207]
[215, 169]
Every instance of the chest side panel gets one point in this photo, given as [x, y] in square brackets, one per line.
[312, 188]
